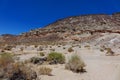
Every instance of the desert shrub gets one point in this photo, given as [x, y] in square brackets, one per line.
[9, 47]
[19, 71]
[102, 50]
[50, 46]
[109, 51]
[45, 71]
[35, 46]
[6, 59]
[64, 48]
[55, 57]
[79, 46]
[37, 60]
[34, 60]
[40, 48]
[14, 71]
[87, 46]
[59, 46]
[75, 64]
[21, 49]
[2, 50]
[52, 49]
[70, 49]
[42, 54]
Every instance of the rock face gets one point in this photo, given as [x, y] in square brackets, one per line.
[64, 29]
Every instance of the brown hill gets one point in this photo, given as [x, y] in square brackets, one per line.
[71, 28]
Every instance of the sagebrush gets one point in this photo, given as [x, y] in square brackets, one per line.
[55, 57]
[75, 64]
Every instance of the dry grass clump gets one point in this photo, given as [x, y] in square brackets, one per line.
[20, 71]
[79, 46]
[11, 70]
[55, 57]
[64, 47]
[35, 46]
[21, 49]
[102, 50]
[42, 54]
[45, 71]
[38, 60]
[6, 59]
[8, 47]
[70, 49]
[52, 49]
[59, 46]
[87, 46]
[109, 52]
[75, 64]
[40, 48]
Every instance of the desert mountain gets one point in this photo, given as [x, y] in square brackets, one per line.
[76, 28]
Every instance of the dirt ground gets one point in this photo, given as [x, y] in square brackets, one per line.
[98, 65]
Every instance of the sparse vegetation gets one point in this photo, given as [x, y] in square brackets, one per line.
[75, 64]
[40, 48]
[6, 59]
[37, 60]
[22, 72]
[8, 47]
[42, 54]
[70, 49]
[11, 70]
[21, 49]
[45, 71]
[55, 57]
[50, 46]
[87, 46]
[59, 46]
[52, 49]
[102, 50]
[109, 51]
[36, 46]
[79, 46]
[64, 47]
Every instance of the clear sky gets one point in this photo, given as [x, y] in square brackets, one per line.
[18, 16]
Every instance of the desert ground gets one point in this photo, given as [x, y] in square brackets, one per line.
[98, 65]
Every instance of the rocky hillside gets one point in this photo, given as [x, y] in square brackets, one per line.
[77, 28]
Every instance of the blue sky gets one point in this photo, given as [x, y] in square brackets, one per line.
[18, 16]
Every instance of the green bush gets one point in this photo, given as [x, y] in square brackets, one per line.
[55, 57]
[75, 64]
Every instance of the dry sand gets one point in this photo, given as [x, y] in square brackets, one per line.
[99, 66]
